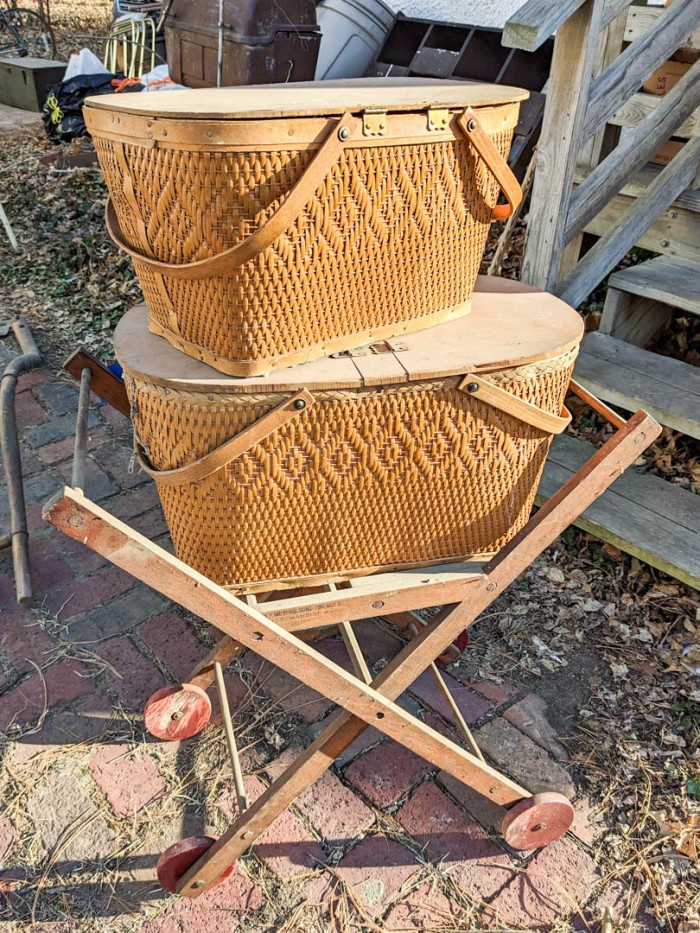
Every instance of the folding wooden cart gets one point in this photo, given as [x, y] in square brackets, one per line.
[279, 626]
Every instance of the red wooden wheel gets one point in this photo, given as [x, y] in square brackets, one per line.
[454, 650]
[536, 821]
[180, 857]
[177, 712]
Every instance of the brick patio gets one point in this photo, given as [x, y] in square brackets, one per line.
[90, 800]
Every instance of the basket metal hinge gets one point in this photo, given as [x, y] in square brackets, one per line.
[374, 123]
[438, 119]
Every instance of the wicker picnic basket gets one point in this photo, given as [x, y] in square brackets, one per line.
[342, 467]
[273, 226]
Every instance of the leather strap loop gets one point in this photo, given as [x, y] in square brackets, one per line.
[286, 411]
[315, 173]
[489, 392]
[496, 164]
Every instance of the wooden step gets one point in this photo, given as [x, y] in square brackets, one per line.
[632, 378]
[643, 515]
[676, 232]
[668, 279]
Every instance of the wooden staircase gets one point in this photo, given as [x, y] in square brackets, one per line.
[613, 363]
[588, 181]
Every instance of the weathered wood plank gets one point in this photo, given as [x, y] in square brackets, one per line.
[631, 318]
[627, 230]
[572, 65]
[536, 21]
[676, 232]
[612, 9]
[633, 66]
[668, 279]
[638, 183]
[633, 151]
[643, 515]
[639, 106]
[633, 378]
[640, 19]
[600, 144]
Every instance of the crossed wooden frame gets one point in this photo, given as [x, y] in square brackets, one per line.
[277, 630]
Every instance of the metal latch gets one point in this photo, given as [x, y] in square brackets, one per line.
[374, 122]
[438, 119]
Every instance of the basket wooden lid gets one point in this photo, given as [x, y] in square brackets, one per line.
[309, 98]
[510, 325]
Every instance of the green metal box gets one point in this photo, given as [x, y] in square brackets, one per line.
[26, 82]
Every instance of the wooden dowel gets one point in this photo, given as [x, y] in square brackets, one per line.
[355, 652]
[231, 739]
[445, 690]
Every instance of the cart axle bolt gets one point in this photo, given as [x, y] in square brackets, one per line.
[176, 716]
[343, 134]
[299, 404]
[75, 520]
[197, 884]
[538, 827]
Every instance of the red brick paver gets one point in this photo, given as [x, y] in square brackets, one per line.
[374, 872]
[557, 882]
[387, 772]
[130, 779]
[450, 837]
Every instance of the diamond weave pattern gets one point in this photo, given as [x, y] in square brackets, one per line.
[393, 234]
[364, 479]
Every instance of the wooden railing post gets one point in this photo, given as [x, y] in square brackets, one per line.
[570, 79]
[590, 153]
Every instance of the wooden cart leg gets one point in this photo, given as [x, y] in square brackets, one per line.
[84, 521]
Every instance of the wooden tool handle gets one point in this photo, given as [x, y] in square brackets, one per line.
[328, 154]
[492, 394]
[496, 164]
[220, 457]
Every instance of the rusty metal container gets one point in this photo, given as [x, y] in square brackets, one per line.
[265, 41]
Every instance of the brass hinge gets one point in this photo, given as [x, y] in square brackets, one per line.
[374, 123]
[438, 119]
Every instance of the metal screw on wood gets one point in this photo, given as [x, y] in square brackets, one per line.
[343, 134]
[473, 387]
[471, 126]
[299, 404]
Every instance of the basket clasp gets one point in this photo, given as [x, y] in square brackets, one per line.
[374, 123]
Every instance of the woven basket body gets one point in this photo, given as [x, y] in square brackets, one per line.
[358, 480]
[386, 239]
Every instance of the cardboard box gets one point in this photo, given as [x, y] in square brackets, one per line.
[665, 77]
[667, 151]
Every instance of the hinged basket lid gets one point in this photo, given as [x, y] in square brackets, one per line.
[311, 98]
[510, 325]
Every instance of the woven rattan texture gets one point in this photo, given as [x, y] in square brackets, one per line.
[414, 474]
[394, 234]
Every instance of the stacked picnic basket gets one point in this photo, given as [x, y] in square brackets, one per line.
[323, 390]
[316, 388]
